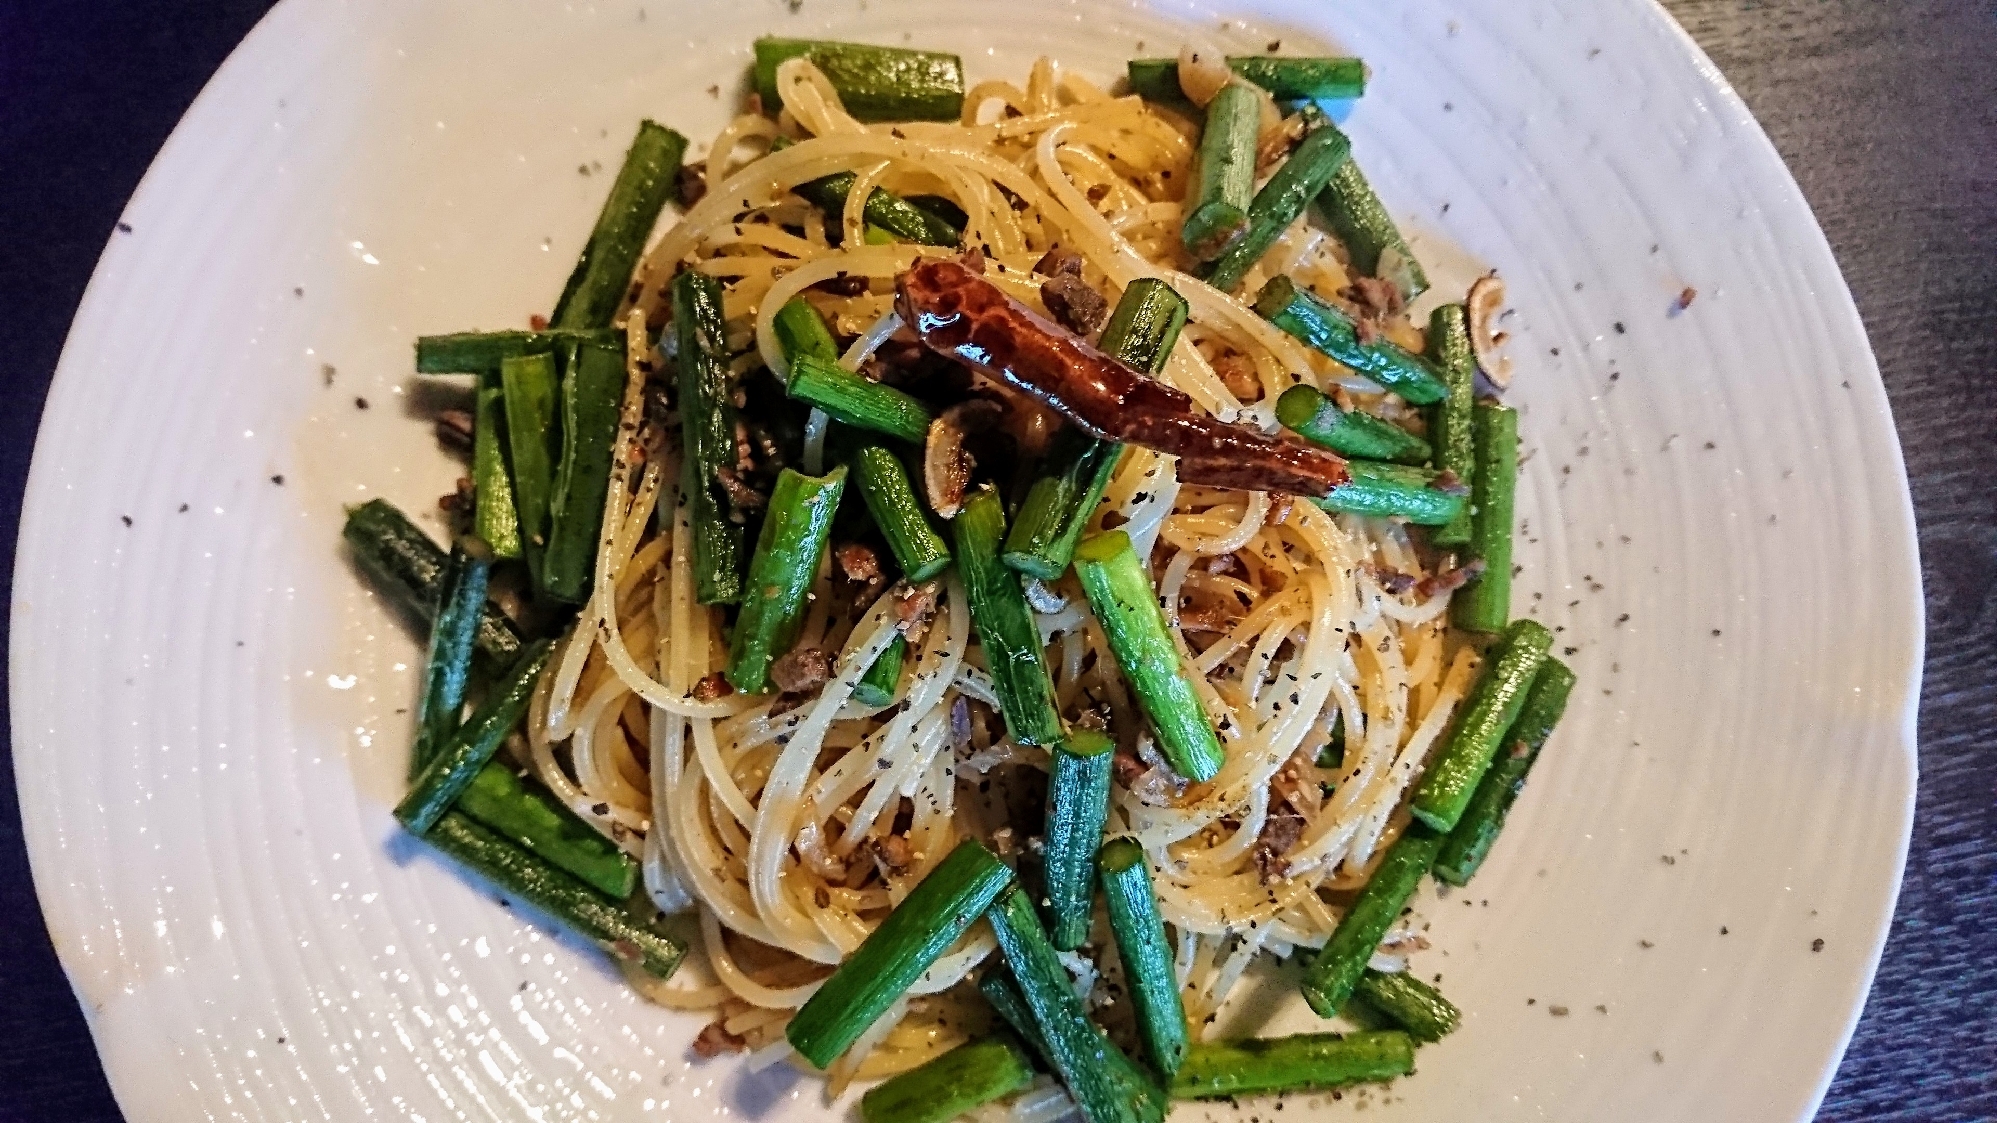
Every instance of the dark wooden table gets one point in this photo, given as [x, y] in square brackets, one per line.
[1885, 111]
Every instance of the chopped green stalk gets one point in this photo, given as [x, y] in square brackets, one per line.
[1288, 1064]
[448, 665]
[849, 397]
[495, 518]
[1393, 491]
[1146, 953]
[1486, 602]
[1120, 593]
[1317, 419]
[1331, 977]
[1279, 203]
[1058, 505]
[608, 924]
[592, 391]
[458, 761]
[999, 989]
[1330, 331]
[1480, 726]
[531, 392]
[1077, 808]
[1223, 174]
[1013, 653]
[1106, 1084]
[877, 686]
[874, 83]
[1478, 828]
[1409, 1003]
[800, 330]
[1286, 79]
[707, 427]
[649, 177]
[931, 220]
[1359, 220]
[883, 482]
[408, 567]
[531, 819]
[966, 1077]
[797, 530]
[884, 210]
[482, 352]
[1140, 334]
[920, 929]
[1450, 420]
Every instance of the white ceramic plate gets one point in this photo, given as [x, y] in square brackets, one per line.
[209, 710]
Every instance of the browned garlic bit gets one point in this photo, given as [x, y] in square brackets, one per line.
[1487, 299]
[946, 467]
[1202, 73]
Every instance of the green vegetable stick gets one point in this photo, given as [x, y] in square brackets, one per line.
[1362, 223]
[1393, 491]
[408, 567]
[495, 516]
[1486, 602]
[1352, 433]
[972, 1074]
[1331, 977]
[649, 177]
[707, 428]
[1146, 953]
[1471, 841]
[917, 933]
[890, 497]
[1223, 174]
[1077, 808]
[1450, 419]
[884, 210]
[1287, 1064]
[877, 686]
[851, 398]
[448, 665]
[1490, 710]
[592, 396]
[531, 819]
[1279, 203]
[1331, 332]
[797, 530]
[1286, 79]
[458, 762]
[606, 923]
[873, 83]
[1120, 593]
[1011, 642]
[483, 352]
[1416, 1007]
[532, 391]
[1106, 1085]
[800, 330]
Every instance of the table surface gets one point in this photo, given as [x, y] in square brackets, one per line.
[1885, 111]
